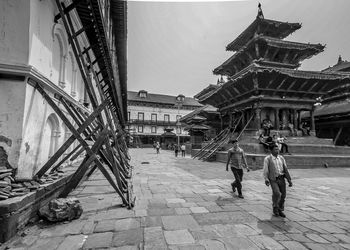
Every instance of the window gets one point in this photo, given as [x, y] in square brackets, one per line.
[178, 117]
[140, 116]
[140, 129]
[167, 118]
[153, 129]
[154, 117]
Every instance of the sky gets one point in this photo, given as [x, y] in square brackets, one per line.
[173, 47]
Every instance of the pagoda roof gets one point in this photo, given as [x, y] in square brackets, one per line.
[266, 27]
[196, 127]
[206, 108]
[342, 66]
[307, 49]
[206, 90]
[334, 108]
[272, 82]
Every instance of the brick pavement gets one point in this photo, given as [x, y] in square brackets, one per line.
[188, 204]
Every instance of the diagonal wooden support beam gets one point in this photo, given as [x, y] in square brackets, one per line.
[71, 139]
[92, 154]
[79, 174]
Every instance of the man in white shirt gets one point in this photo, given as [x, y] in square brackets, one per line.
[275, 171]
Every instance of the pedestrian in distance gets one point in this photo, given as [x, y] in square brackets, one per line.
[176, 149]
[183, 150]
[157, 147]
[237, 160]
[275, 172]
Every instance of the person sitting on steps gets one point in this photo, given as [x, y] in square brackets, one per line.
[262, 141]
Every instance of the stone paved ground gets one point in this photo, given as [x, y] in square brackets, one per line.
[188, 204]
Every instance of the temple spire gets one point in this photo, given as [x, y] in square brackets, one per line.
[340, 60]
[260, 12]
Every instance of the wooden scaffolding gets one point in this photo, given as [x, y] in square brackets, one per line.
[104, 125]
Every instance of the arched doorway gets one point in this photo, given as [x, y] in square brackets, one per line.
[49, 138]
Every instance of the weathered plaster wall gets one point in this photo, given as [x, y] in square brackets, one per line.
[43, 133]
[14, 31]
[12, 95]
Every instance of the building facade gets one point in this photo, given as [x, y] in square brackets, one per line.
[35, 49]
[155, 117]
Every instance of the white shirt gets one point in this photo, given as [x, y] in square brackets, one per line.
[278, 163]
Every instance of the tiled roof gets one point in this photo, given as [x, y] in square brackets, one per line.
[205, 108]
[343, 66]
[161, 99]
[275, 28]
[333, 108]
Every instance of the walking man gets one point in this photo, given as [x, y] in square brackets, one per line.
[176, 149]
[275, 171]
[183, 150]
[237, 158]
[157, 147]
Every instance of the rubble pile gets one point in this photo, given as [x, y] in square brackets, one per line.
[61, 209]
[12, 187]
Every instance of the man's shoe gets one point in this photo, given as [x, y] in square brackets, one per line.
[281, 214]
[240, 196]
[276, 212]
[233, 187]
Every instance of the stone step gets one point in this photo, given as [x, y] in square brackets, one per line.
[311, 149]
[256, 161]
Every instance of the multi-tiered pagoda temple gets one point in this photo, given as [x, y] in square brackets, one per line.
[264, 80]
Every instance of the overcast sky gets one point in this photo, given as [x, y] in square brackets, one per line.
[173, 47]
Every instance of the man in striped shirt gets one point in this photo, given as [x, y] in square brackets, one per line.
[237, 159]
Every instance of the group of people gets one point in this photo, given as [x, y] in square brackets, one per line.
[275, 172]
[176, 147]
[182, 148]
[280, 140]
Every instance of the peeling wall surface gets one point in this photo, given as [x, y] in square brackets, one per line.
[30, 38]
[14, 19]
[11, 116]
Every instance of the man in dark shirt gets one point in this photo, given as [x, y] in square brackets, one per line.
[237, 159]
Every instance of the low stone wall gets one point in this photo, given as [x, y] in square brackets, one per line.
[16, 212]
[256, 161]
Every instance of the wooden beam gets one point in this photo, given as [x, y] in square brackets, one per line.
[274, 54]
[257, 51]
[72, 138]
[266, 52]
[292, 84]
[65, 158]
[67, 10]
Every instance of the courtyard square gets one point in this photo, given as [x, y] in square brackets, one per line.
[182, 203]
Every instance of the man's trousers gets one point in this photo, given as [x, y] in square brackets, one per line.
[278, 192]
[238, 173]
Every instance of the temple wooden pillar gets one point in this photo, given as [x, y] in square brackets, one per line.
[277, 119]
[285, 119]
[243, 119]
[312, 123]
[257, 118]
[295, 119]
[299, 119]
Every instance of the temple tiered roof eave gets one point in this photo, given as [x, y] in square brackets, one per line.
[206, 90]
[271, 82]
[268, 27]
[301, 51]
